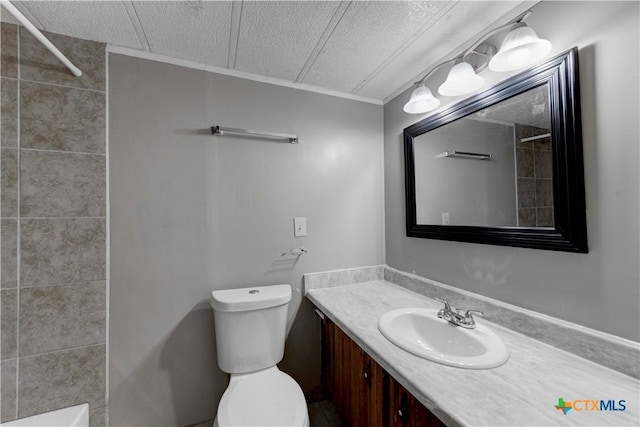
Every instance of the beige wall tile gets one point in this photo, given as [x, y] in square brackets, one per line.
[64, 378]
[61, 118]
[544, 217]
[526, 193]
[55, 251]
[524, 163]
[9, 253]
[38, 64]
[544, 193]
[543, 164]
[98, 417]
[8, 390]
[9, 112]
[9, 50]
[62, 184]
[9, 182]
[526, 217]
[63, 316]
[8, 323]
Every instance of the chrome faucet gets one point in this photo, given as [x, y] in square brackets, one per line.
[456, 316]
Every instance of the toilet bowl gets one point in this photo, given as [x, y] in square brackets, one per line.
[266, 398]
[250, 325]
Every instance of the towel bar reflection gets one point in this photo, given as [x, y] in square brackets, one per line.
[220, 131]
[467, 155]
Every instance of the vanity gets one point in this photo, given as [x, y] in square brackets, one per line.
[374, 382]
[362, 391]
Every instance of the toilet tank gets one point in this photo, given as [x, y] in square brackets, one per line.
[250, 325]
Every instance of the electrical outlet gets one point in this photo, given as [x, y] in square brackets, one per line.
[445, 218]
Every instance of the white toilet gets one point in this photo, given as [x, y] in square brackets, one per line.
[250, 332]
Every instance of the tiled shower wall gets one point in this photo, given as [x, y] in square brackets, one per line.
[535, 180]
[53, 240]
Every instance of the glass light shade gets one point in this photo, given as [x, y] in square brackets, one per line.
[421, 101]
[461, 81]
[520, 48]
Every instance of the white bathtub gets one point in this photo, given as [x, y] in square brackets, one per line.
[73, 416]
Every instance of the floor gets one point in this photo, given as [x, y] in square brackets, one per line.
[323, 414]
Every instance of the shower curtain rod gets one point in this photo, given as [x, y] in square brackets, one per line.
[41, 38]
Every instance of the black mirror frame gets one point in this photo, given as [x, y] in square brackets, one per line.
[570, 231]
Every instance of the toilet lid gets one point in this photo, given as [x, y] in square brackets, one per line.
[267, 398]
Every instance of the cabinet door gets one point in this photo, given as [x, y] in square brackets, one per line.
[328, 355]
[353, 379]
[407, 411]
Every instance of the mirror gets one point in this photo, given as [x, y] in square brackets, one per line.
[503, 167]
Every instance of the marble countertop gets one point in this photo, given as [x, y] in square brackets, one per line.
[521, 392]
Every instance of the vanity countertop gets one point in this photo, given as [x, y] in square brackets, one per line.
[521, 392]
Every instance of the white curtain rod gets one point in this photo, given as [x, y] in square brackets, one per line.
[37, 34]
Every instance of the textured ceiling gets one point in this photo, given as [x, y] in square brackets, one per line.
[367, 49]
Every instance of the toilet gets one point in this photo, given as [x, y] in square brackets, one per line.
[250, 325]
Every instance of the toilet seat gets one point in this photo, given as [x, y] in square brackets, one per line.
[264, 398]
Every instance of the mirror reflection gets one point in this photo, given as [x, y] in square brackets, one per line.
[491, 168]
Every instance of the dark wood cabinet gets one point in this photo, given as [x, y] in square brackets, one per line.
[405, 410]
[363, 393]
[354, 380]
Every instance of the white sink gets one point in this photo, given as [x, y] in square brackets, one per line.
[421, 332]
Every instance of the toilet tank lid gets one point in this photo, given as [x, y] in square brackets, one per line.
[255, 298]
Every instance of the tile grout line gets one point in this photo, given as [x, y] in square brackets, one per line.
[51, 285]
[63, 86]
[60, 350]
[63, 217]
[86, 153]
[108, 241]
[18, 223]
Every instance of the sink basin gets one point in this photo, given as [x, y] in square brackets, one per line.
[421, 332]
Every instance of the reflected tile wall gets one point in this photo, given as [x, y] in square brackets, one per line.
[53, 189]
[534, 173]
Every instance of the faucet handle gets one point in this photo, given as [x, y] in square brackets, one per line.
[469, 313]
[447, 306]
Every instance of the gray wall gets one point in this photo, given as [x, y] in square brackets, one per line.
[472, 191]
[53, 235]
[191, 213]
[599, 289]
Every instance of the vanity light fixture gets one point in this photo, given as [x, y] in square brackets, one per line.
[421, 100]
[462, 79]
[520, 48]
